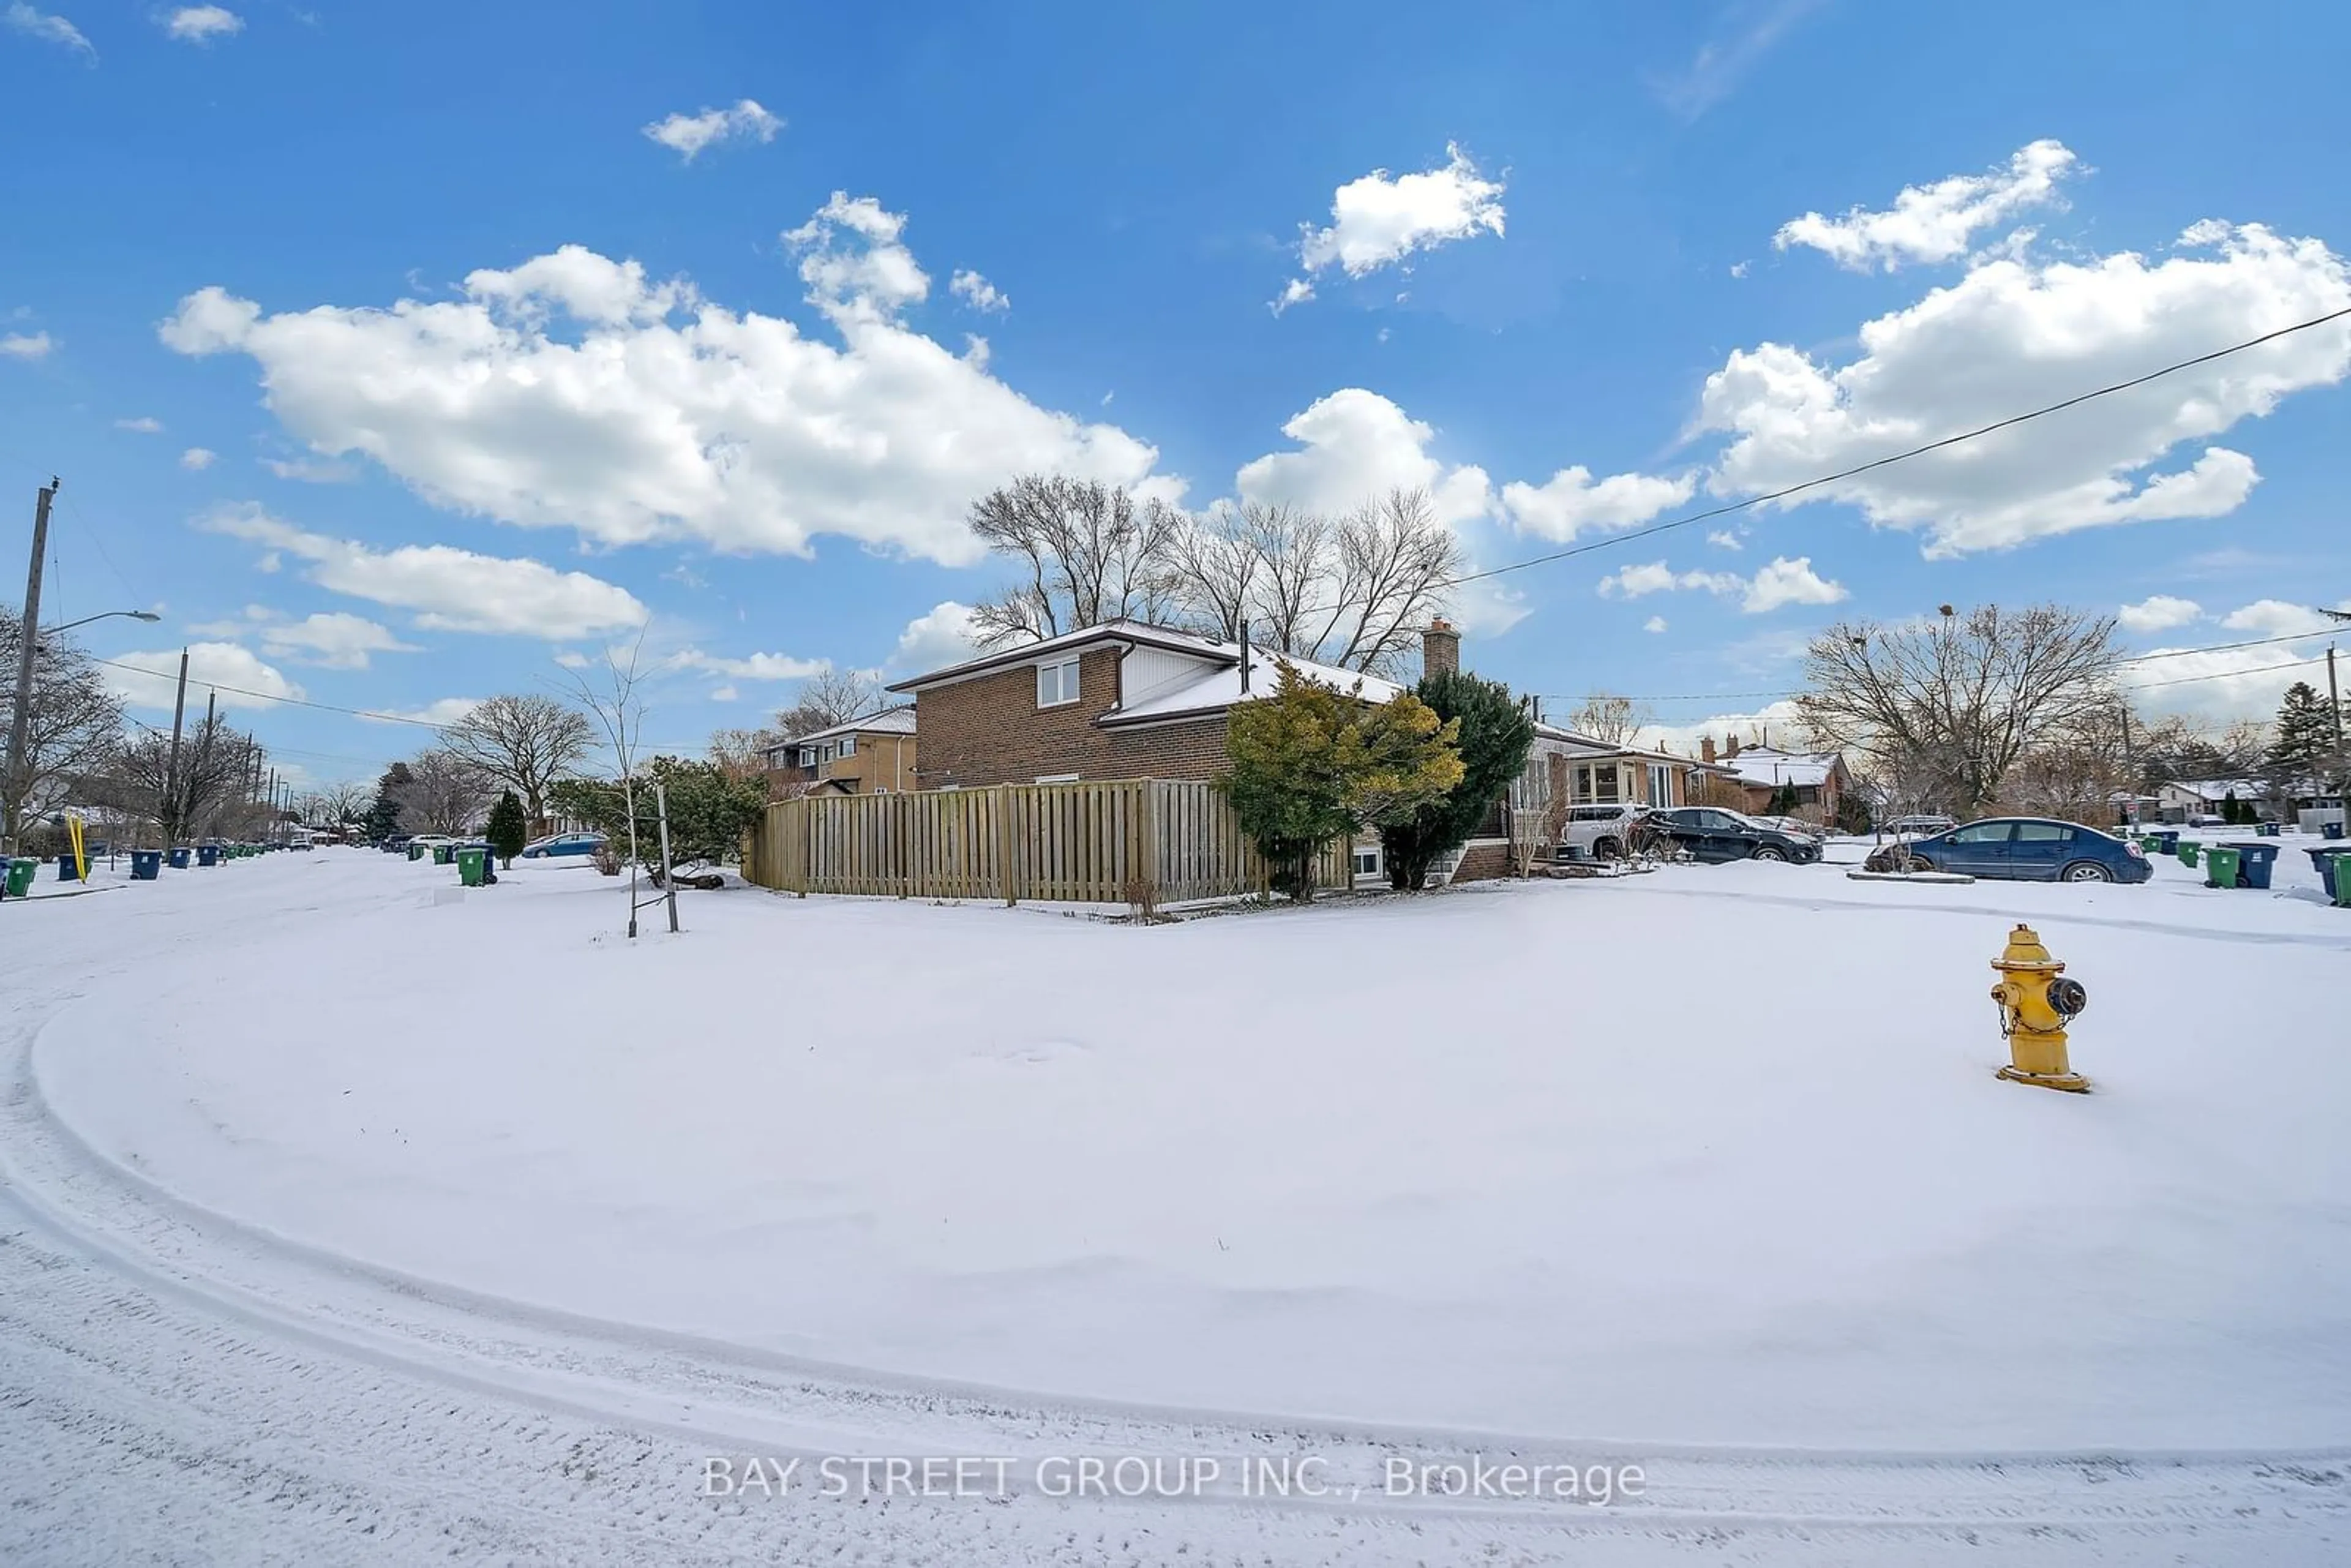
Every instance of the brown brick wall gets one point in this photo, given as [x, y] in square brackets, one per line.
[1483, 861]
[989, 730]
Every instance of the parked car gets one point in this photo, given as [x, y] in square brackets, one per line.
[2022, 849]
[428, 842]
[395, 843]
[1597, 832]
[1713, 834]
[563, 845]
[1919, 827]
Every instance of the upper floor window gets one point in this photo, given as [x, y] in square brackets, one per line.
[808, 756]
[1057, 684]
[849, 745]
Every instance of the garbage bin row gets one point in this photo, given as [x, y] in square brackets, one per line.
[18, 873]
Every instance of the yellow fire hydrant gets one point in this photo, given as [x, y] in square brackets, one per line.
[2036, 1002]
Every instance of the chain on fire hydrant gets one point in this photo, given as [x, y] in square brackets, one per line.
[2036, 1002]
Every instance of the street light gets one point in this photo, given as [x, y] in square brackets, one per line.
[101, 615]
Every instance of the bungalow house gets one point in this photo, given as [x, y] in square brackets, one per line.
[874, 755]
[1818, 779]
[1121, 700]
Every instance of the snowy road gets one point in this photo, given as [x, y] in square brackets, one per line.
[175, 1387]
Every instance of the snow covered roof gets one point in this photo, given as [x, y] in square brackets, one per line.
[896, 721]
[1139, 632]
[1770, 767]
[1216, 688]
[1581, 745]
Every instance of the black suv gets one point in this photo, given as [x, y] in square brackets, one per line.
[1712, 834]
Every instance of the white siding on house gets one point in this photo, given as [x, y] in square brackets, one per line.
[1145, 671]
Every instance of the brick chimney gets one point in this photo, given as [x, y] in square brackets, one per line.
[1440, 648]
[1730, 745]
[1706, 748]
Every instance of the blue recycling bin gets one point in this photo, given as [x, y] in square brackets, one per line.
[146, 865]
[67, 871]
[2328, 861]
[2253, 863]
[2267, 829]
[2166, 841]
[2330, 830]
[178, 857]
[208, 854]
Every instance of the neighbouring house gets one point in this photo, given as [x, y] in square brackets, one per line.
[1121, 700]
[1567, 769]
[1819, 779]
[2270, 802]
[874, 755]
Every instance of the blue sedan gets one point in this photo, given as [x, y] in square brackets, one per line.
[2023, 849]
[563, 845]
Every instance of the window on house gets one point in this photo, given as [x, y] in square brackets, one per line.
[849, 745]
[1368, 862]
[1661, 784]
[1604, 783]
[1057, 779]
[1057, 684]
[808, 756]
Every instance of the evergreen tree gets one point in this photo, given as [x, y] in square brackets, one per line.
[1310, 764]
[1782, 803]
[2303, 750]
[508, 830]
[1495, 736]
[2230, 810]
[383, 813]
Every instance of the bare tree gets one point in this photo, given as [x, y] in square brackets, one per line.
[527, 740]
[835, 696]
[72, 724]
[743, 753]
[335, 804]
[210, 791]
[1089, 553]
[1965, 696]
[444, 793]
[1610, 718]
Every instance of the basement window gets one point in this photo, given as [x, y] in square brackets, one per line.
[1057, 684]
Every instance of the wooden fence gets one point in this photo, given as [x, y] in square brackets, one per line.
[1091, 842]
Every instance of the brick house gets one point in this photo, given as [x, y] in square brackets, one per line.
[1819, 778]
[874, 755]
[1123, 700]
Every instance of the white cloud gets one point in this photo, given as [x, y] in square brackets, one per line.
[26, 346]
[153, 680]
[201, 23]
[1355, 447]
[196, 459]
[1782, 582]
[1569, 503]
[688, 135]
[1745, 32]
[2011, 336]
[1937, 221]
[1741, 268]
[1653, 624]
[756, 667]
[449, 590]
[332, 639]
[2276, 618]
[1777, 721]
[308, 472]
[1722, 539]
[50, 28]
[1378, 220]
[977, 292]
[940, 636]
[442, 711]
[1657, 577]
[1786, 581]
[654, 415]
[2159, 613]
[143, 426]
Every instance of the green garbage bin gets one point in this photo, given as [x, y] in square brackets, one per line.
[442, 854]
[416, 852]
[2220, 866]
[2188, 849]
[21, 872]
[470, 862]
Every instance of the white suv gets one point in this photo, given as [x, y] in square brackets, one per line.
[1597, 832]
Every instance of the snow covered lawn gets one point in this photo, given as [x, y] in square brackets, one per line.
[1714, 1154]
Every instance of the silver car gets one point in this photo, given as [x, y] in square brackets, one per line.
[1597, 832]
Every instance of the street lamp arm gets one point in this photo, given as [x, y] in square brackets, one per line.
[102, 615]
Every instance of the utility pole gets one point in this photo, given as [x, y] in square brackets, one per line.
[2334, 701]
[175, 827]
[28, 639]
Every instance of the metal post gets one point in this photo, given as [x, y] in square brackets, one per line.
[669, 872]
[169, 805]
[629, 803]
[27, 648]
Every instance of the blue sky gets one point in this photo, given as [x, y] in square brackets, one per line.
[329, 249]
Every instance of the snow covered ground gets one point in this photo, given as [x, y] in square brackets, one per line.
[1703, 1171]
